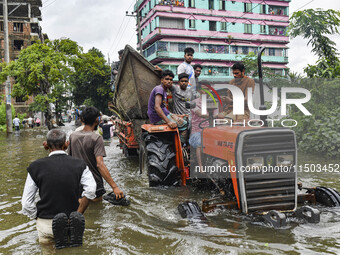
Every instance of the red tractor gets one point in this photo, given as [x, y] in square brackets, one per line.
[272, 195]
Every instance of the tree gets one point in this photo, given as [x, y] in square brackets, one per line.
[323, 69]
[91, 80]
[39, 69]
[315, 25]
[250, 63]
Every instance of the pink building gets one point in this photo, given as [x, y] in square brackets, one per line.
[220, 31]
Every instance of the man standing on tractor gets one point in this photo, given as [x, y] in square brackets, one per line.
[243, 82]
[157, 112]
[181, 94]
[197, 70]
[186, 67]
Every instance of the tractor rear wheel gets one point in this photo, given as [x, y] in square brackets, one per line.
[160, 160]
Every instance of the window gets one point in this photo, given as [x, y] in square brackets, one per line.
[1, 26]
[19, 99]
[211, 5]
[221, 49]
[192, 23]
[271, 52]
[151, 50]
[212, 25]
[263, 9]
[162, 46]
[263, 29]
[171, 23]
[252, 49]
[248, 29]
[181, 47]
[277, 31]
[224, 26]
[18, 27]
[171, 2]
[277, 10]
[191, 3]
[18, 44]
[245, 50]
[285, 53]
[234, 49]
[35, 28]
[222, 5]
[248, 7]
[277, 71]
[216, 71]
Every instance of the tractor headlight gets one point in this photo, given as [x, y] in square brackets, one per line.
[285, 160]
[255, 162]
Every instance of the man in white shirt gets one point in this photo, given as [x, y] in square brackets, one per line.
[186, 67]
[30, 122]
[16, 123]
[65, 187]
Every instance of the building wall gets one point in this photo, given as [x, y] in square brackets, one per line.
[23, 30]
[221, 32]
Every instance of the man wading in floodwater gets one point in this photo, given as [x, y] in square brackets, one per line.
[89, 146]
[59, 178]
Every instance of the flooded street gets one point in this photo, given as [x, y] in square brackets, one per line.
[152, 224]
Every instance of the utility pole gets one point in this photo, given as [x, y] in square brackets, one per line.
[138, 28]
[8, 82]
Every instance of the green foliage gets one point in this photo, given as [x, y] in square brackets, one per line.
[91, 80]
[315, 25]
[324, 69]
[250, 63]
[39, 69]
[319, 133]
[3, 116]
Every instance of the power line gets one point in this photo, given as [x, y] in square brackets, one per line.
[304, 5]
[45, 2]
[48, 4]
[117, 34]
[283, 18]
[122, 35]
[228, 24]
[120, 28]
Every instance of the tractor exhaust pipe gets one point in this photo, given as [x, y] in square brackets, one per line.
[262, 106]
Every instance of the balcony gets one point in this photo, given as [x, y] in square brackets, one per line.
[171, 2]
[278, 31]
[277, 10]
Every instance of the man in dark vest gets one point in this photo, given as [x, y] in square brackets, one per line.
[59, 179]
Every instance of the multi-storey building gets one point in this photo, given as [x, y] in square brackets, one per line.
[23, 30]
[220, 31]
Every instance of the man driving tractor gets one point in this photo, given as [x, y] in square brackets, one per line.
[243, 82]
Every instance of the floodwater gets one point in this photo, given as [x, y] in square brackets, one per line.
[152, 224]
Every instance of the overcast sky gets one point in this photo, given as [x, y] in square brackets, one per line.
[104, 25]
